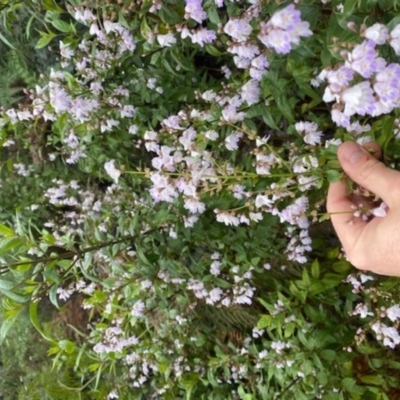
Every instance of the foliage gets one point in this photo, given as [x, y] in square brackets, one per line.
[164, 186]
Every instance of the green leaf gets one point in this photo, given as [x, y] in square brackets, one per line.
[6, 231]
[6, 284]
[45, 39]
[306, 278]
[145, 29]
[269, 116]
[33, 315]
[62, 26]
[19, 298]
[7, 324]
[67, 346]
[348, 9]
[210, 49]
[285, 108]
[333, 175]
[10, 243]
[51, 5]
[5, 40]
[329, 355]
[264, 322]
[315, 269]
[373, 380]
[53, 296]
[188, 382]
[213, 16]
[348, 384]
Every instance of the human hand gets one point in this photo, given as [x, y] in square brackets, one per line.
[374, 244]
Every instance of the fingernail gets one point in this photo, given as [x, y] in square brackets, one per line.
[351, 152]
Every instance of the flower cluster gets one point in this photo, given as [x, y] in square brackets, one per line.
[365, 84]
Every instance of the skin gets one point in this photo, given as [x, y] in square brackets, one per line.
[374, 245]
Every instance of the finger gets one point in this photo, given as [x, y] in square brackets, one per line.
[339, 206]
[368, 172]
[374, 149]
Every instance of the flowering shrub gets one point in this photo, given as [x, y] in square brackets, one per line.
[170, 171]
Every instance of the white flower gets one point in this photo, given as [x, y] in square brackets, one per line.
[262, 200]
[358, 99]
[393, 313]
[166, 40]
[380, 211]
[112, 171]
[211, 135]
[66, 51]
[113, 395]
[214, 296]
[378, 33]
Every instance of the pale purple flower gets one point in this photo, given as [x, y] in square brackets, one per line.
[263, 200]
[215, 268]
[264, 163]
[378, 33]
[242, 62]
[393, 313]
[339, 78]
[362, 310]
[232, 141]
[227, 218]
[340, 119]
[380, 211]
[238, 29]
[138, 309]
[127, 111]
[231, 115]
[277, 39]
[283, 30]
[259, 67]
[203, 36]
[214, 295]
[247, 51]
[194, 206]
[194, 10]
[310, 131]
[60, 100]
[250, 92]
[364, 59]
[84, 16]
[286, 18]
[394, 39]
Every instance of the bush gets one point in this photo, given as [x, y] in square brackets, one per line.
[168, 174]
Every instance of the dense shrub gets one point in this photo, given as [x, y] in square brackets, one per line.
[164, 186]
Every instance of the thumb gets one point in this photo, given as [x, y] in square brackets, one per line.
[364, 169]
